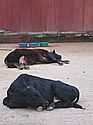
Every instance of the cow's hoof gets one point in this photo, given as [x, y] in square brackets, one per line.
[20, 68]
[40, 108]
[50, 108]
[84, 108]
[60, 63]
[67, 62]
[26, 67]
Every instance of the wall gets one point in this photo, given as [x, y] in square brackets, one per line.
[46, 15]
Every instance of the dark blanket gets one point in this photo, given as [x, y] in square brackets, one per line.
[32, 91]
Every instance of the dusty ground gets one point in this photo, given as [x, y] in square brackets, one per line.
[79, 73]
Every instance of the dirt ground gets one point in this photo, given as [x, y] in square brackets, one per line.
[78, 73]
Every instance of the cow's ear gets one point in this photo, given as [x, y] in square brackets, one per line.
[53, 51]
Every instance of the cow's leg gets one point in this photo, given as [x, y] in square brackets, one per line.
[23, 63]
[12, 65]
[61, 104]
[65, 61]
[51, 106]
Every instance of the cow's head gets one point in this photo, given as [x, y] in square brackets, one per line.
[57, 56]
[36, 99]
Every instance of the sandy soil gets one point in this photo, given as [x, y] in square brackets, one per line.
[78, 73]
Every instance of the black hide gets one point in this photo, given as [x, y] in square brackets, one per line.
[28, 90]
[33, 56]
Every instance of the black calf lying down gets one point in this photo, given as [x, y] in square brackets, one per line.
[19, 58]
[31, 91]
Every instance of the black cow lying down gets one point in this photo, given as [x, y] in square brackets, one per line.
[20, 58]
[32, 91]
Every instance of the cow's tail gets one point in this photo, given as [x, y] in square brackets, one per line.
[76, 92]
[78, 106]
[5, 101]
[75, 105]
[5, 61]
